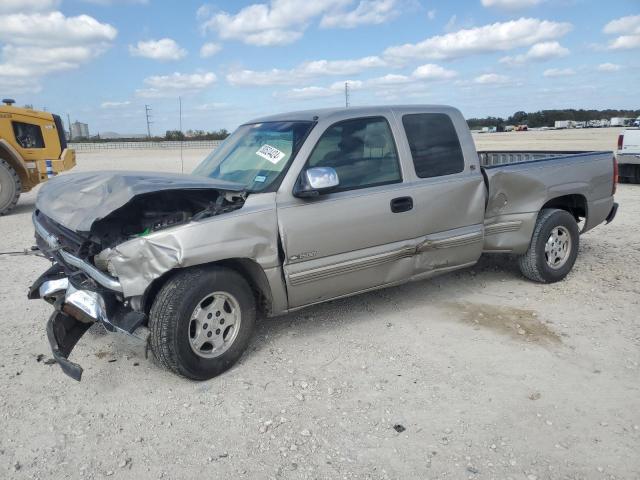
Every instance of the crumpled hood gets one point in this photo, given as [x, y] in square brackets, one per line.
[76, 200]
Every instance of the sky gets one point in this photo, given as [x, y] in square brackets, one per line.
[102, 61]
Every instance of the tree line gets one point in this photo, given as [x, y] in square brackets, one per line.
[548, 118]
[170, 135]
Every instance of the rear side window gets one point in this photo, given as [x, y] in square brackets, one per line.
[28, 135]
[362, 151]
[434, 144]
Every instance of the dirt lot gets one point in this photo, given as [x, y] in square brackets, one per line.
[484, 375]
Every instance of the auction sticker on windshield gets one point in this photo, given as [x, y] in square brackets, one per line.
[270, 153]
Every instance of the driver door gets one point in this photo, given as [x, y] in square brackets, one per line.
[357, 237]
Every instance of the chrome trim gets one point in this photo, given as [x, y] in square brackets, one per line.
[450, 242]
[51, 287]
[502, 227]
[102, 278]
[90, 303]
[350, 266]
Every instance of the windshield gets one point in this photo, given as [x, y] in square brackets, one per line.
[255, 155]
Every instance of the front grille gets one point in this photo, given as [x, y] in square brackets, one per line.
[68, 239]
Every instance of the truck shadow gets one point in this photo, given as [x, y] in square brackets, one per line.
[438, 291]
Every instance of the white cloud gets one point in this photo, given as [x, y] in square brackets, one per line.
[628, 29]
[432, 72]
[159, 86]
[488, 38]
[609, 67]
[421, 75]
[623, 25]
[304, 93]
[511, 4]
[209, 49]
[431, 14]
[211, 106]
[108, 3]
[367, 12]
[37, 44]
[12, 6]
[115, 104]
[165, 49]
[539, 52]
[491, 78]
[304, 71]
[559, 72]
[53, 29]
[625, 42]
[280, 22]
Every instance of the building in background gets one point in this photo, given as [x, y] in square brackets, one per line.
[79, 130]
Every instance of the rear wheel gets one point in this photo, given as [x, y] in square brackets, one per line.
[553, 249]
[10, 187]
[201, 321]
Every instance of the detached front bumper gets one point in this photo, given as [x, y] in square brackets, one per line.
[75, 310]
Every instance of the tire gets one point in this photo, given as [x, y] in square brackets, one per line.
[537, 264]
[10, 187]
[182, 316]
[636, 176]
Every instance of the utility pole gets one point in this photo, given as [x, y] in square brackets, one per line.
[69, 122]
[181, 137]
[346, 94]
[147, 111]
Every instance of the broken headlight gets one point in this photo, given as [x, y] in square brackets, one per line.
[103, 262]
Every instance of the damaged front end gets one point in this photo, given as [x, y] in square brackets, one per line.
[82, 285]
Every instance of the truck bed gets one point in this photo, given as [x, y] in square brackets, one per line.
[521, 183]
[490, 159]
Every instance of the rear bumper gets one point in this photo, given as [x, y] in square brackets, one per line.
[628, 158]
[612, 213]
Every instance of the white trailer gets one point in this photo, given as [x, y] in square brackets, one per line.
[621, 121]
[563, 124]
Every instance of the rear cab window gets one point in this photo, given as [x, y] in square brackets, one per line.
[434, 143]
[28, 135]
[361, 150]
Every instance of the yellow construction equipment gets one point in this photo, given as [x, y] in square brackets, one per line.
[33, 148]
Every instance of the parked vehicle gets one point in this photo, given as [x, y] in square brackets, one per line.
[621, 121]
[628, 155]
[33, 149]
[297, 209]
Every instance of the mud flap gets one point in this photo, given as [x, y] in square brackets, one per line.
[63, 333]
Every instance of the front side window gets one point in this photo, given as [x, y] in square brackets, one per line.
[434, 144]
[255, 155]
[362, 152]
[28, 135]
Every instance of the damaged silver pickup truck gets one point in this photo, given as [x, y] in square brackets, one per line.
[296, 209]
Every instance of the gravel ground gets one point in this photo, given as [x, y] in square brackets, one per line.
[477, 374]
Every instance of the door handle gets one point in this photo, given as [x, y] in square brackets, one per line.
[401, 204]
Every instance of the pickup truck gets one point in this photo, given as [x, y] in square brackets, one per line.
[296, 209]
[628, 155]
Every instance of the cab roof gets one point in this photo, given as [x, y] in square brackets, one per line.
[336, 114]
[25, 111]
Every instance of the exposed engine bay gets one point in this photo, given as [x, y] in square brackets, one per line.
[156, 211]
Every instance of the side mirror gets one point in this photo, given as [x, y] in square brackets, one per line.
[316, 181]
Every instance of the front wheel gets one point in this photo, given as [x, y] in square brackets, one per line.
[202, 321]
[553, 249]
[10, 187]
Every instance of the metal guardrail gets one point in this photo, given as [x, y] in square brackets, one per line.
[195, 144]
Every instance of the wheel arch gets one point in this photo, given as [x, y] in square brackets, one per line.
[250, 270]
[11, 156]
[574, 203]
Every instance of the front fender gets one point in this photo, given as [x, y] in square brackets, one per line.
[250, 233]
